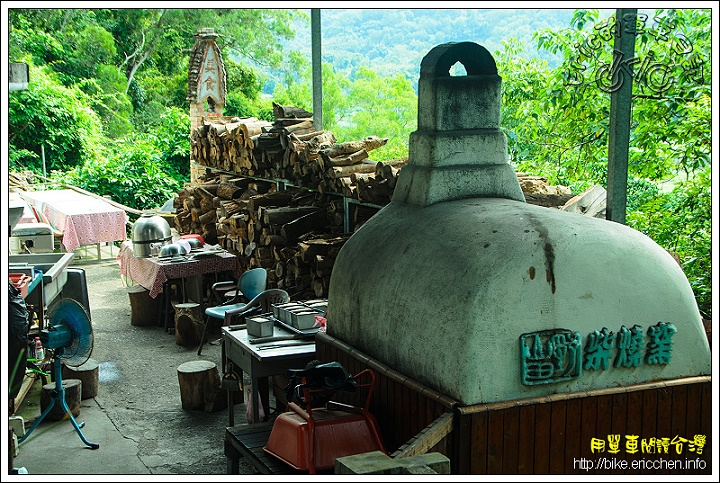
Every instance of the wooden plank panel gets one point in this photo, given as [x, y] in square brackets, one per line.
[351, 366]
[418, 420]
[511, 424]
[526, 438]
[693, 426]
[664, 417]
[558, 413]
[633, 430]
[604, 427]
[467, 432]
[706, 422]
[677, 424]
[618, 428]
[649, 415]
[429, 406]
[421, 407]
[679, 411]
[395, 392]
[383, 410]
[541, 454]
[409, 414]
[320, 350]
[588, 430]
[495, 442]
[573, 432]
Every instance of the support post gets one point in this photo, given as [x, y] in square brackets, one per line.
[620, 114]
[316, 68]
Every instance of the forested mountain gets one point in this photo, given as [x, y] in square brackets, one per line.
[389, 41]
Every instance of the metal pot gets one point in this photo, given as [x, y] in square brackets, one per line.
[195, 244]
[172, 250]
[149, 229]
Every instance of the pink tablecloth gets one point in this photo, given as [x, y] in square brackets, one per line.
[152, 274]
[82, 219]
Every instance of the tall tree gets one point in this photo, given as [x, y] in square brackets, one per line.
[162, 36]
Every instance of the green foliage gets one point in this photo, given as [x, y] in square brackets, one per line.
[243, 93]
[54, 116]
[109, 101]
[86, 50]
[172, 138]
[383, 107]
[134, 172]
[680, 221]
[557, 123]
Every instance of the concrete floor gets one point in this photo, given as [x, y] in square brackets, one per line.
[136, 417]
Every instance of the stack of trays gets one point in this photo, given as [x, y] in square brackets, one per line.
[300, 315]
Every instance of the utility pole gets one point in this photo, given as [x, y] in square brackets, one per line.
[316, 68]
[620, 114]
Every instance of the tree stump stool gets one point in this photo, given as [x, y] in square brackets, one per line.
[189, 325]
[144, 309]
[73, 391]
[87, 373]
[200, 386]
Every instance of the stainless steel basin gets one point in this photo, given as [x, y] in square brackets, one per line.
[15, 212]
[53, 267]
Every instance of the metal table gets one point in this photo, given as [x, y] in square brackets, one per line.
[263, 360]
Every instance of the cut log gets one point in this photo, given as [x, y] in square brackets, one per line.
[207, 217]
[362, 167]
[189, 325]
[229, 191]
[200, 386]
[285, 214]
[144, 310]
[275, 198]
[289, 111]
[73, 393]
[305, 224]
[591, 202]
[368, 144]
[87, 373]
[348, 160]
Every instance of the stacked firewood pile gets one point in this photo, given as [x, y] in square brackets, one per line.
[290, 149]
[294, 234]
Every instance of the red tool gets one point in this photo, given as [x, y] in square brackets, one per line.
[311, 439]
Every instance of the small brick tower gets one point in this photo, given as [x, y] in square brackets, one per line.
[206, 80]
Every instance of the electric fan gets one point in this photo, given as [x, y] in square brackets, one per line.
[69, 335]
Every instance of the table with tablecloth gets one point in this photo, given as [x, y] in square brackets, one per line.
[152, 273]
[82, 219]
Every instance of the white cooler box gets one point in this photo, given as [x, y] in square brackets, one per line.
[37, 237]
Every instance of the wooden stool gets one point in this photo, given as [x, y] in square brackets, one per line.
[87, 373]
[200, 386]
[143, 308]
[73, 390]
[188, 324]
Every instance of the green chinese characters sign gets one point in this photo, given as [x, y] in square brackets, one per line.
[557, 355]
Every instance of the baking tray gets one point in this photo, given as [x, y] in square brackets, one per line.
[310, 331]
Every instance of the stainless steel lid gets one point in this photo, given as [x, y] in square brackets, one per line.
[151, 228]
